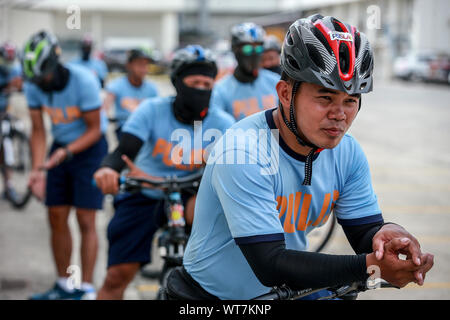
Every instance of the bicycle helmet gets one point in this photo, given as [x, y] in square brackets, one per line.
[327, 52]
[272, 43]
[192, 55]
[247, 32]
[7, 53]
[40, 56]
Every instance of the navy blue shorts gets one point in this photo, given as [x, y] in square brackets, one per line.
[131, 230]
[70, 183]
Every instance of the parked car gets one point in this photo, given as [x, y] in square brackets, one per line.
[414, 66]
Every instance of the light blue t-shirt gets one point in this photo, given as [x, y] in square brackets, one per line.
[98, 67]
[6, 75]
[243, 99]
[252, 192]
[170, 146]
[128, 96]
[65, 107]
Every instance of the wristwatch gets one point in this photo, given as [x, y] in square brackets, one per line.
[69, 154]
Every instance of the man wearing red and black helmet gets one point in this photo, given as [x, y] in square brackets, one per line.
[252, 217]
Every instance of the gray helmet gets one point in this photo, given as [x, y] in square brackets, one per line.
[190, 56]
[247, 32]
[327, 52]
[40, 56]
[272, 43]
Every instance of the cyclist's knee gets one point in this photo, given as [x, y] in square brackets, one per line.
[86, 220]
[119, 276]
[58, 218]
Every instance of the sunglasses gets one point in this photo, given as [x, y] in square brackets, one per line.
[249, 49]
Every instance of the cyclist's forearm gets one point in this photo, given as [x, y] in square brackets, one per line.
[91, 135]
[87, 139]
[360, 237]
[274, 265]
[38, 146]
[129, 145]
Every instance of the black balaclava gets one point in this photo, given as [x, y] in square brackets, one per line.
[248, 66]
[192, 104]
[86, 52]
[58, 81]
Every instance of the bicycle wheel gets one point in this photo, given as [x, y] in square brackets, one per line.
[17, 164]
[319, 237]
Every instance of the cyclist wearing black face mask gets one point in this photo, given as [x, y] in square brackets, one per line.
[97, 66]
[162, 136]
[249, 89]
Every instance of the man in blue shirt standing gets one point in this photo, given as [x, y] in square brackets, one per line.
[70, 95]
[127, 92]
[151, 136]
[250, 88]
[97, 66]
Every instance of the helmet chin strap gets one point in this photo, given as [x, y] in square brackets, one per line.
[292, 126]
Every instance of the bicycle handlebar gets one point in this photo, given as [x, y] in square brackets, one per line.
[171, 182]
[285, 293]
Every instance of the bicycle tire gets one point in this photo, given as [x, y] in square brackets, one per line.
[20, 168]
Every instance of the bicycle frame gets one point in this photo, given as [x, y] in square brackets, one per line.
[172, 242]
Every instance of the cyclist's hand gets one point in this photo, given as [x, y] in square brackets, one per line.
[391, 231]
[137, 172]
[107, 180]
[57, 157]
[394, 270]
[427, 260]
[36, 182]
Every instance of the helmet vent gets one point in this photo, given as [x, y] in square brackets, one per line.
[319, 35]
[289, 39]
[328, 81]
[293, 63]
[362, 86]
[315, 56]
[366, 62]
[336, 25]
[344, 58]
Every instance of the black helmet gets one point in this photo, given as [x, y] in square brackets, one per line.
[190, 56]
[327, 52]
[40, 56]
[271, 42]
